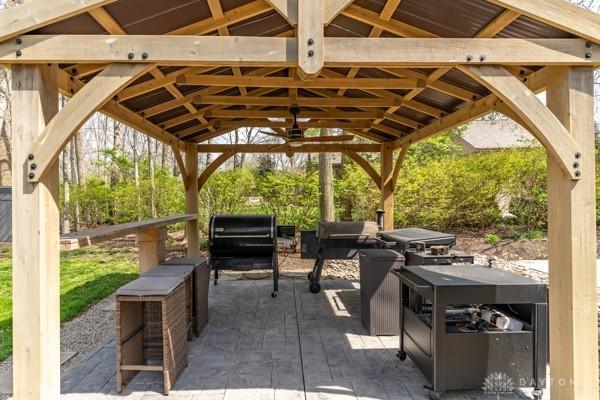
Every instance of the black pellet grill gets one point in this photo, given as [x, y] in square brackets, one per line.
[243, 243]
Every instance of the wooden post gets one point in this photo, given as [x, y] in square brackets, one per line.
[149, 246]
[387, 184]
[191, 199]
[36, 263]
[572, 243]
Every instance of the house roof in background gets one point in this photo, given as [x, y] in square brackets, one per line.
[501, 134]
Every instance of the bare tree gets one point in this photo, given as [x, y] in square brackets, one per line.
[152, 181]
[326, 201]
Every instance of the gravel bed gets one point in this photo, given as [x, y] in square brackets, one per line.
[82, 334]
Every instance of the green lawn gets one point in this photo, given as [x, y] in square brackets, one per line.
[86, 277]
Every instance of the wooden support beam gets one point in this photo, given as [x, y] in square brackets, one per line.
[212, 168]
[151, 245]
[286, 148]
[35, 14]
[35, 276]
[535, 82]
[333, 8]
[283, 51]
[393, 26]
[69, 86]
[364, 164]
[191, 200]
[387, 184]
[399, 164]
[74, 114]
[318, 115]
[311, 35]
[279, 82]
[560, 14]
[365, 52]
[572, 243]
[181, 166]
[543, 124]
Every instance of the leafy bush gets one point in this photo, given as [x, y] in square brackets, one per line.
[492, 239]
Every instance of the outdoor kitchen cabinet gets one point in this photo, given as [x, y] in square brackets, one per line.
[455, 360]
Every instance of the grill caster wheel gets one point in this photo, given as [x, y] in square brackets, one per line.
[274, 294]
[538, 394]
[310, 276]
[435, 396]
[314, 287]
[401, 355]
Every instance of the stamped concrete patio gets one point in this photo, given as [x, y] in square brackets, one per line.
[297, 346]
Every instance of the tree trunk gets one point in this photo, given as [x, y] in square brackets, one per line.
[5, 155]
[79, 159]
[136, 175]
[75, 181]
[163, 159]
[152, 182]
[66, 221]
[326, 201]
[114, 171]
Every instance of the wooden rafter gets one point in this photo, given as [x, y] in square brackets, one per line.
[35, 14]
[560, 14]
[288, 9]
[76, 112]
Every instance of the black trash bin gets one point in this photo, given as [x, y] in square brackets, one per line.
[379, 291]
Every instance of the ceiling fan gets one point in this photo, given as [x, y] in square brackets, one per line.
[295, 135]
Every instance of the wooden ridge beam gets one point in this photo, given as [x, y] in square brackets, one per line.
[279, 82]
[266, 123]
[544, 125]
[286, 148]
[283, 51]
[35, 14]
[89, 99]
[301, 101]
[318, 115]
[560, 14]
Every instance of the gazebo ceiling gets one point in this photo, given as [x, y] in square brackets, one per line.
[412, 100]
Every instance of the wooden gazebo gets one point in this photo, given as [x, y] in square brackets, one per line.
[392, 71]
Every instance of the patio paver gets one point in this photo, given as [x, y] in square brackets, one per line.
[299, 346]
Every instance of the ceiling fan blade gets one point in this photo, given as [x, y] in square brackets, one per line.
[274, 135]
[325, 139]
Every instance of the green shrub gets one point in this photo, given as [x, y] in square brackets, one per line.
[492, 239]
